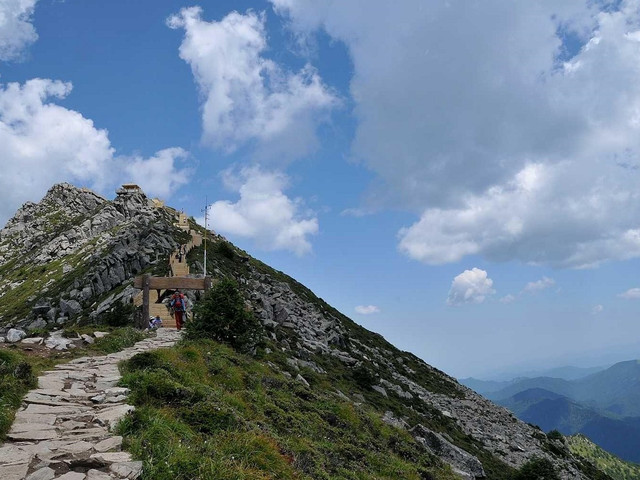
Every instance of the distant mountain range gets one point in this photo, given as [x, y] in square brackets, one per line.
[604, 406]
[551, 411]
[614, 391]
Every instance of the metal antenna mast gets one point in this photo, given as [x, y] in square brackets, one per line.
[206, 233]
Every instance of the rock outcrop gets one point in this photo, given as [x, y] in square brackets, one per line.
[74, 248]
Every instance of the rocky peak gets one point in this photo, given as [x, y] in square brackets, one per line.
[63, 202]
[133, 203]
[82, 247]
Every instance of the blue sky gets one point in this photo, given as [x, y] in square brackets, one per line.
[461, 177]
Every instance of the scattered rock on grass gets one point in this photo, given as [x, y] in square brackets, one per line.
[15, 335]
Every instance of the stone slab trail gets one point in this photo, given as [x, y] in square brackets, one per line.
[63, 429]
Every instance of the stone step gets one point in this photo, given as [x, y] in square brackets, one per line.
[52, 437]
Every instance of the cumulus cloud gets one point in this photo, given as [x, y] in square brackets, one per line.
[471, 286]
[245, 96]
[367, 309]
[16, 30]
[510, 140]
[631, 294]
[542, 284]
[508, 299]
[157, 175]
[264, 213]
[42, 143]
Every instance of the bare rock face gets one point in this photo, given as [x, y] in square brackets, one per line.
[75, 246]
[460, 460]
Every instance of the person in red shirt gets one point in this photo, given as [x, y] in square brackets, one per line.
[179, 305]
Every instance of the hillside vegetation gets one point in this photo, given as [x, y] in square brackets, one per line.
[608, 463]
[206, 412]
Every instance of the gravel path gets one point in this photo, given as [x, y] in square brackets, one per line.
[63, 429]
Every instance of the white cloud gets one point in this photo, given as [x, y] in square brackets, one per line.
[16, 30]
[542, 284]
[597, 309]
[158, 175]
[367, 309]
[247, 97]
[508, 299]
[631, 294]
[482, 118]
[42, 143]
[471, 286]
[264, 213]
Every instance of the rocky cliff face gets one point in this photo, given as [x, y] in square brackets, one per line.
[75, 253]
[74, 248]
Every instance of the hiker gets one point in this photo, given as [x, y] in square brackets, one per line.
[179, 306]
[155, 323]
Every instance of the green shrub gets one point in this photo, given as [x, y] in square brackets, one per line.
[364, 377]
[210, 417]
[221, 315]
[225, 249]
[555, 435]
[537, 469]
[120, 315]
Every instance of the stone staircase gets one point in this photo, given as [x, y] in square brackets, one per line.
[64, 430]
[178, 268]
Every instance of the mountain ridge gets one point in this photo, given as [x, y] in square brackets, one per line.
[86, 250]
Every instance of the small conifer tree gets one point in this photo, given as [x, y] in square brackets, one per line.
[221, 315]
[537, 469]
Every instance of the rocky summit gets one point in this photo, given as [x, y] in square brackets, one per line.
[74, 255]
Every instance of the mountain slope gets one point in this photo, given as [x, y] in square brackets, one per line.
[70, 257]
[610, 464]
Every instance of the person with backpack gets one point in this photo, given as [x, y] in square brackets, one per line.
[179, 306]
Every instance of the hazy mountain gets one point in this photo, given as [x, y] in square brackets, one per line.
[551, 411]
[615, 390]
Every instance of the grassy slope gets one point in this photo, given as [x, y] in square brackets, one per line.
[230, 261]
[205, 411]
[608, 463]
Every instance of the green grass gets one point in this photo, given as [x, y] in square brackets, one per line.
[610, 464]
[118, 339]
[205, 411]
[16, 378]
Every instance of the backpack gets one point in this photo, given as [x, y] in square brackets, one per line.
[178, 304]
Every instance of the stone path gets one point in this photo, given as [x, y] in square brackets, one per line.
[63, 429]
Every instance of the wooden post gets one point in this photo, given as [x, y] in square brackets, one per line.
[145, 301]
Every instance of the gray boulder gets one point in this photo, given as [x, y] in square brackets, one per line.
[70, 307]
[460, 460]
[15, 335]
[41, 308]
[36, 324]
[51, 314]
